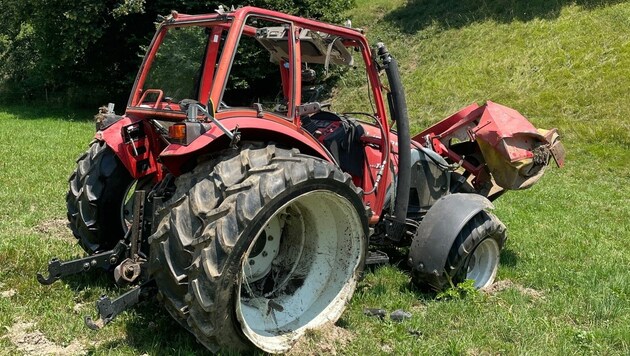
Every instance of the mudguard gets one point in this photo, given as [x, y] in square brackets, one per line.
[134, 154]
[439, 228]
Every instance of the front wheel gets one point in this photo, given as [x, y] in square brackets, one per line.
[475, 252]
[473, 255]
[266, 244]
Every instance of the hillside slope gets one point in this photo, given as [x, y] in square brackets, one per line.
[563, 283]
[562, 64]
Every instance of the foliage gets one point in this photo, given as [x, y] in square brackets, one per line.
[183, 49]
[462, 290]
[59, 50]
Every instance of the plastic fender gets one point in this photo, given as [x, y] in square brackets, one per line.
[439, 228]
[272, 129]
[252, 129]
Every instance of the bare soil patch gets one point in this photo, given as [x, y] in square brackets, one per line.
[502, 285]
[31, 341]
[55, 228]
[8, 293]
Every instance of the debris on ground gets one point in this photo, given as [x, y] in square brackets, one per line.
[30, 341]
[502, 285]
[8, 294]
[415, 332]
[400, 315]
[379, 313]
[78, 308]
[386, 349]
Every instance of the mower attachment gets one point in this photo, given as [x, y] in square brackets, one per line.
[108, 309]
[105, 260]
[513, 151]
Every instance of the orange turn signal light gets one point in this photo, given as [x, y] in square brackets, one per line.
[177, 132]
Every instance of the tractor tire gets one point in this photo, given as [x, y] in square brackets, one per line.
[258, 246]
[95, 198]
[474, 255]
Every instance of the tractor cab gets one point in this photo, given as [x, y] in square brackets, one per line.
[260, 69]
[257, 77]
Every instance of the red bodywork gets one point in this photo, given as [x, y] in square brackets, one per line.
[151, 155]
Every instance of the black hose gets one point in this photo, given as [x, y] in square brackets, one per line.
[398, 108]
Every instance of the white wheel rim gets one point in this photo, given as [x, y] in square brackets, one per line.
[483, 263]
[311, 276]
[265, 250]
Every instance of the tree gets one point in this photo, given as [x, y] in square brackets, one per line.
[87, 52]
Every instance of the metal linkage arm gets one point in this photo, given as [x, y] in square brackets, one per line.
[108, 309]
[58, 268]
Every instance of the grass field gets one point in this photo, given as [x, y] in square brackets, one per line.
[565, 272]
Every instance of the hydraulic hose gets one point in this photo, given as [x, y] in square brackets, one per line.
[398, 109]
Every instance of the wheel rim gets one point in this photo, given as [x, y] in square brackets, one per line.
[483, 263]
[307, 273]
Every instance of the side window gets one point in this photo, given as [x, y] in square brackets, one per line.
[334, 75]
[178, 63]
[353, 92]
[255, 76]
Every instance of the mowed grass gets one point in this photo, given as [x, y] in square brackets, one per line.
[562, 64]
[38, 150]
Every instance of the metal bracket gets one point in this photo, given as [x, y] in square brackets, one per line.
[58, 269]
[236, 137]
[399, 231]
[192, 114]
[108, 309]
[376, 258]
[309, 108]
[129, 270]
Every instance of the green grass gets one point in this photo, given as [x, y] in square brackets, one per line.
[562, 64]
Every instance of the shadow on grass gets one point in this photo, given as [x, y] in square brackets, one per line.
[41, 111]
[149, 327]
[151, 330]
[509, 258]
[416, 15]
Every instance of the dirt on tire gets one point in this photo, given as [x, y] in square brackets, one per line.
[195, 260]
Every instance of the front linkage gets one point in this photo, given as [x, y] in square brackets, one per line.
[127, 262]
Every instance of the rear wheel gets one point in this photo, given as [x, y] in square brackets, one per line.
[99, 199]
[263, 245]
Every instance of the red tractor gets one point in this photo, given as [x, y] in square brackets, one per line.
[253, 215]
